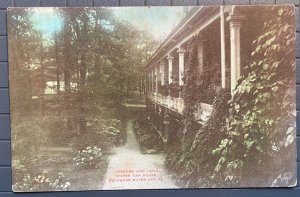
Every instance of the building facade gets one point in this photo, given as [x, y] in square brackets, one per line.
[219, 63]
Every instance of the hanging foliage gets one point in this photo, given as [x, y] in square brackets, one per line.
[260, 135]
[175, 160]
[251, 134]
[190, 88]
[192, 160]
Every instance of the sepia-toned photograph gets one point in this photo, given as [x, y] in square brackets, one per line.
[117, 98]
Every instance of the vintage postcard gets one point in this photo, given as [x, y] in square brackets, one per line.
[116, 98]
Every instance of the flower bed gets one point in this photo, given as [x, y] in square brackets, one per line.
[89, 157]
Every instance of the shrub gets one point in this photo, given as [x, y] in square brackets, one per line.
[88, 157]
[25, 182]
[101, 132]
[195, 166]
[147, 136]
[174, 88]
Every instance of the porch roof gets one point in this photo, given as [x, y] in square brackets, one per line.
[196, 20]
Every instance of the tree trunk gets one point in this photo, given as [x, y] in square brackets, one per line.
[82, 95]
[43, 80]
[127, 88]
[67, 94]
[57, 66]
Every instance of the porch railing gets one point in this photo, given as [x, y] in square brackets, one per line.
[203, 110]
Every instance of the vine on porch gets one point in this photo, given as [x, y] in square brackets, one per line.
[252, 133]
[260, 130]
[189, 93]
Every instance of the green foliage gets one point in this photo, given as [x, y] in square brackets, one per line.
[252, 133]
[24, 41]
[190, 91]
[89, 157]
[147, 136]
[175, 160]
[205, 95]
[195, 165]
[163, 89]
[191, 161]
[261, 122]
[31, 133]
[89, 56]
[102, 132]
[174, 89]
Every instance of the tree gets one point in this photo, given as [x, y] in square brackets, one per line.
[25, 45]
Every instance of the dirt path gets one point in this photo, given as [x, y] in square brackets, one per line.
[128, 168]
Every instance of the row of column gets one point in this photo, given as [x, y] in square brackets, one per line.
[235, 69]
[157, 73]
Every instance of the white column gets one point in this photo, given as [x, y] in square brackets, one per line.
[152, 80]
[200, 57]
[181, 65]
[235, 59]
[162, 72]
[156, 78]
[149, 81]
[223, 65]
[170, 66]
